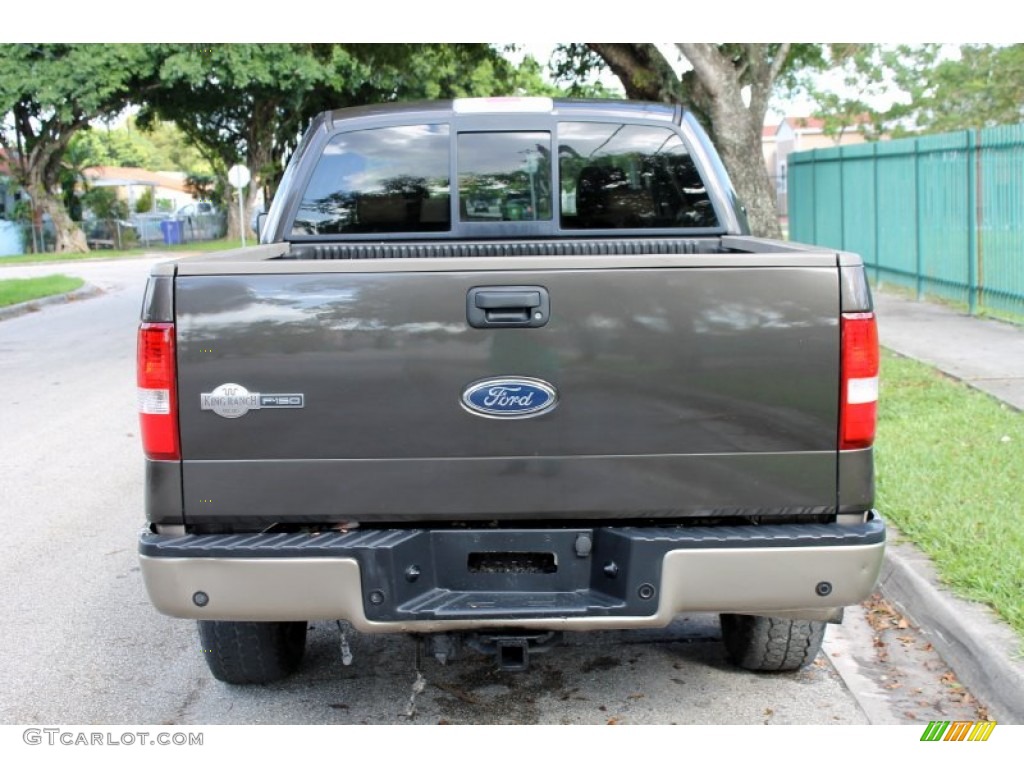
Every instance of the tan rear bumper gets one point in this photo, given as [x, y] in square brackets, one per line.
[771, 581]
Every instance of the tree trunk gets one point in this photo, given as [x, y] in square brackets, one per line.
[250, 194]
[748, 174]
[234, 229]
[739, 143]
[259, 159]
[69, 238]
[735, 128]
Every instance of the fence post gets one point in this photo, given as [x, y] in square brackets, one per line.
[814, 196]
[918, 280]
[874, 203]
[842, 203]
[972, 234]
[979, 217]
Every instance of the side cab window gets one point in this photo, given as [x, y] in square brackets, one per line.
[382, 180]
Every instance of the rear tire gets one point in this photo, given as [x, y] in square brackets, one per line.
[248, 652]
[768, 644]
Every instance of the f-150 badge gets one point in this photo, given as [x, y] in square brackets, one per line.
[509, 398]
[234, 400]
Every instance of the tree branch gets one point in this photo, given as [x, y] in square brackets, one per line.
[778, 62]
[709, 65]
[642, 70]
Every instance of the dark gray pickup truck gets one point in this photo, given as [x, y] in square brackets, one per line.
[502, 368]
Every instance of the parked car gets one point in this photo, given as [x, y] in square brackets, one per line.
[200, 208]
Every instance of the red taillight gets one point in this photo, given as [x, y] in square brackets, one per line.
[158, 399]
[858, 409]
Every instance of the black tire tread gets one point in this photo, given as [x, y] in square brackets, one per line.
[252, 652]
[771, 644]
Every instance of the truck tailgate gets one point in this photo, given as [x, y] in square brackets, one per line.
[687, 386]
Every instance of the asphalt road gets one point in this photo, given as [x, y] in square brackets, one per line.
[82, 644]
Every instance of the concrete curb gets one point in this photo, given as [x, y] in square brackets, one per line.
[981, 649]
[87, 291]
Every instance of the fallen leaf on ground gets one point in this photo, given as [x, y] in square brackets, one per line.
[458, 694]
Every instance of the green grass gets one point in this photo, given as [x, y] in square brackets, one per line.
[56, 258]
[27, 289]
[950, 464]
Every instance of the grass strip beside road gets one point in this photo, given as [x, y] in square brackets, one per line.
[155, 250]
[950, 463]
[30, 288]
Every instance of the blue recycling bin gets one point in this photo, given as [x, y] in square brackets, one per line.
[172, 232]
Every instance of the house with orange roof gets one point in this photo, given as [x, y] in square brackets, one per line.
[169, 192]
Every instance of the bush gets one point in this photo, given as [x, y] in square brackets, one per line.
[145, 202]
[105, 204]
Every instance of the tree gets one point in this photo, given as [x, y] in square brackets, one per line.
[982, 87]
[251, 103]
[234, 103]
[727, 87]
[860, 77]
[928, 88]
[48, 95]
[161, 147]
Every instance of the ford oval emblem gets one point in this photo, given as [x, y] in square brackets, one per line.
[509, 398]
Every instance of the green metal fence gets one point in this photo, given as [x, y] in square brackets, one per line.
[941, 215]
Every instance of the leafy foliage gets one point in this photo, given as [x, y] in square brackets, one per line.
[161, 147]
[920, 89]
[104, 203]
[983, 88]
[145, 202]
[48, 94]
[251, 103]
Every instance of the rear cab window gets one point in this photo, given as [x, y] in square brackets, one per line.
[504, 175]
[572, 176]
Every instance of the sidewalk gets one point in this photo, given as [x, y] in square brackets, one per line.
[988, 355]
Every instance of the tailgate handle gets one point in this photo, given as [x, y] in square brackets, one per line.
[507, 306]
[507, 300]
